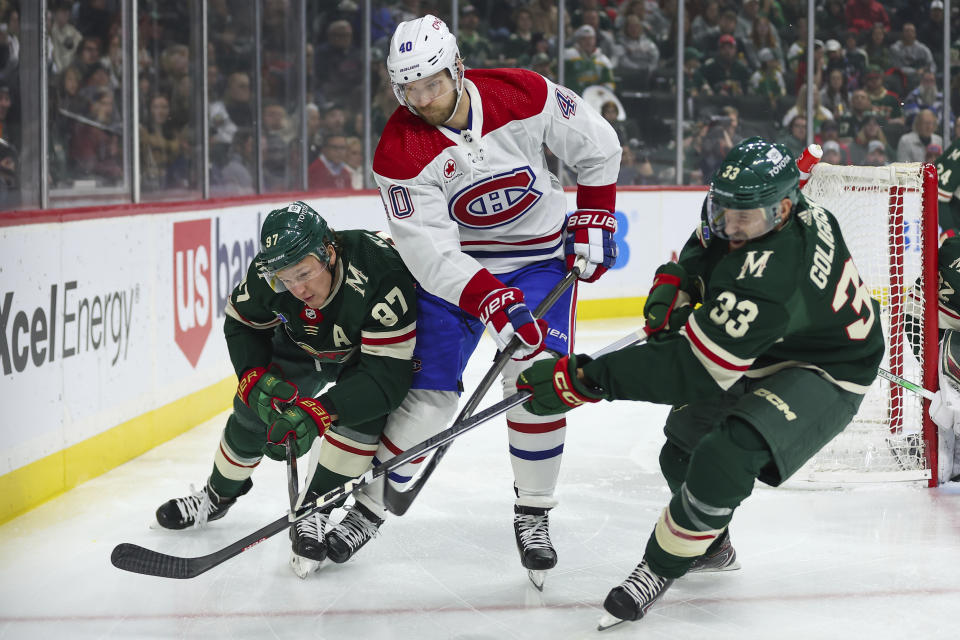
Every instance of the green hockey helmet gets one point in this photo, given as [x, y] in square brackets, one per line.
[290, 234]
[746, 191]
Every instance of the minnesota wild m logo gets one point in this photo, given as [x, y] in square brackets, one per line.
[753, 265]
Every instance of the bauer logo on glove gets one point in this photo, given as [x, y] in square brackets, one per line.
[590, 235]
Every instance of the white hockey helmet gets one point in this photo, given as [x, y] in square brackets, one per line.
[420, 48]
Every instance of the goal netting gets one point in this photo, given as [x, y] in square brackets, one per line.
[888, 216]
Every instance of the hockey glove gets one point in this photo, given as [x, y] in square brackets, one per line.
[303, 422]
[555, 386]
[590, 234]
[666, 295]
[506, 315]
[267, 394]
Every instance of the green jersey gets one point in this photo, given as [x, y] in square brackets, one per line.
[368, 322]
[790, 299]
[948, 178]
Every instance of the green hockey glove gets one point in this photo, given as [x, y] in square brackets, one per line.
[267, 394]
[666, 295]
[304, 421]
[555, 387]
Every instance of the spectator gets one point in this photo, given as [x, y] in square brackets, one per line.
[353, 162]
[542, 64]
[637, 52]
[158, 144]
[693, 81]
[715, 146]
[795, 137]
[339, 65]
[834, 96]
[89, 55]
[830, 20]
[912, 146]
[626, 129]
[95, 150]
[629, 171]
[798, 46]
[333, 120]
[931, 26]
[475, 49]
[831, 153]
[9, 51]
[762, 36]
[829, 133]
[854, 59]
[235, 178]
[725, 74]
[584, 64]
[767, 81]
[313, 132]
[519, 50]
[878, 54]
[602, 20]
[884, 102]
[925, 96]
[113, 61]
[64, 37]
[728, 27]
[234, 111]
[835, 56]
[705, 28]
[854, 119]
[877, 155]
[863, 14]
[279, 157]
[605, 40]
[869, 132]
[818, 66]
[770, 9]
[9, 130]
[9, 176]
[911, 56]
[749, 12]
[328, 171]
[545, 16]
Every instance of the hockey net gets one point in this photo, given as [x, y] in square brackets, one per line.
[888, 216]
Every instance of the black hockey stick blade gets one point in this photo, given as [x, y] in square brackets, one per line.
[137, 559]
[398, 502]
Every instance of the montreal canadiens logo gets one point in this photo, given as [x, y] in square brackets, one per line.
[495, 201]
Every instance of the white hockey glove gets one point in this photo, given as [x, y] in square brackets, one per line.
[590, 234]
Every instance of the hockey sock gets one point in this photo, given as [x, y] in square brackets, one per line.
[674, 462]
[235, 460]
[721, 475]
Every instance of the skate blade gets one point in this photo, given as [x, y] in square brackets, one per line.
[730, 567]
[608, 620]
[537, 578]
[303, 567]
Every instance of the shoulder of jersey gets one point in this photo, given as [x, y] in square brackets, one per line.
[408, 144]
[373, 255]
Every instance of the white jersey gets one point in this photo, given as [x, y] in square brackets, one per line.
[459, 202]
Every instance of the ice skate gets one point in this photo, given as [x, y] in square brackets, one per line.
[724, 558]
[354, 531]
[531, 525]
[632, 599]
[198, 508]
[308, 546]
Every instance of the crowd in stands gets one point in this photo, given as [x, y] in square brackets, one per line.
[876, 83]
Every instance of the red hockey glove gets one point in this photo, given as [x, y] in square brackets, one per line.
[506, 315]
[555, 386]
[304, 421]
[267, 394]
[666, 294]
[589, 233]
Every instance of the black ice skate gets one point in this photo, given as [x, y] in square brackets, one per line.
[308, 546]
[633, 597]
[723, 558]
[531, 525]
[354, 531]
[198, 508]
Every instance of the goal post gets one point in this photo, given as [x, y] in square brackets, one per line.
[888, 216]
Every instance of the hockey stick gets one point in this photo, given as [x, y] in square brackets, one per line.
[293, 487]
[906, 384]
[137, 559]
[398, 502]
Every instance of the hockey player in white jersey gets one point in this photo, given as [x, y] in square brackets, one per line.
[482, 225]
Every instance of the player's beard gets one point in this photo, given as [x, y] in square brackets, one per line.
[435, 114]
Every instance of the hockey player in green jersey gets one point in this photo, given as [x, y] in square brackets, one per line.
[948, 184]
[769, 368]
[316, 308]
